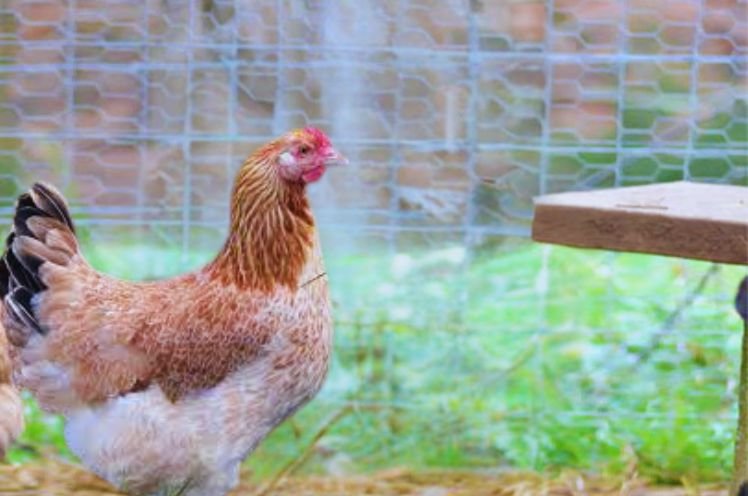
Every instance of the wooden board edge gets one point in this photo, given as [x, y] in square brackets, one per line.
[647, 232]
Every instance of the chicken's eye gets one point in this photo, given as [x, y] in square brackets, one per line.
[304, 149]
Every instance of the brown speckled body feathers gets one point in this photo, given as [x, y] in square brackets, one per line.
[170, 383]
[11, 408]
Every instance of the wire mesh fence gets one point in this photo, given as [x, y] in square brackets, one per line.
[457, 343]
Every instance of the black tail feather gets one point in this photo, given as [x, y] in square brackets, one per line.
[51, 203]
[31, 264]
[25, 200]
[21, 273]
[4, 279]
[19, 268]
[23, 214]
[19, 303]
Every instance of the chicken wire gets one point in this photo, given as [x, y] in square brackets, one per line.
[454, 114]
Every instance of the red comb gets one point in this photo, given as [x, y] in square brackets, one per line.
[319, 137]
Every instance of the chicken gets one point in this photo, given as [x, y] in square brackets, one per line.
[167, 386]
[11, 408]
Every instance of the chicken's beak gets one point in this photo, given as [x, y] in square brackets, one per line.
[333, 157]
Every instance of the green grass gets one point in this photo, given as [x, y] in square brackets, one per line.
[520, 357]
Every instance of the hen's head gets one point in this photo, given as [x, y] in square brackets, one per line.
[272, 226]
[299, 157]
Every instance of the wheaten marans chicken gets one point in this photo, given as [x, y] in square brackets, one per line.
[11, 408]
[167, 386]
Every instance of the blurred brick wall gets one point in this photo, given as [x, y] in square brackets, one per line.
[456, 112]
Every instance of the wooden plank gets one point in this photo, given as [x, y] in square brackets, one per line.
[682, 219]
